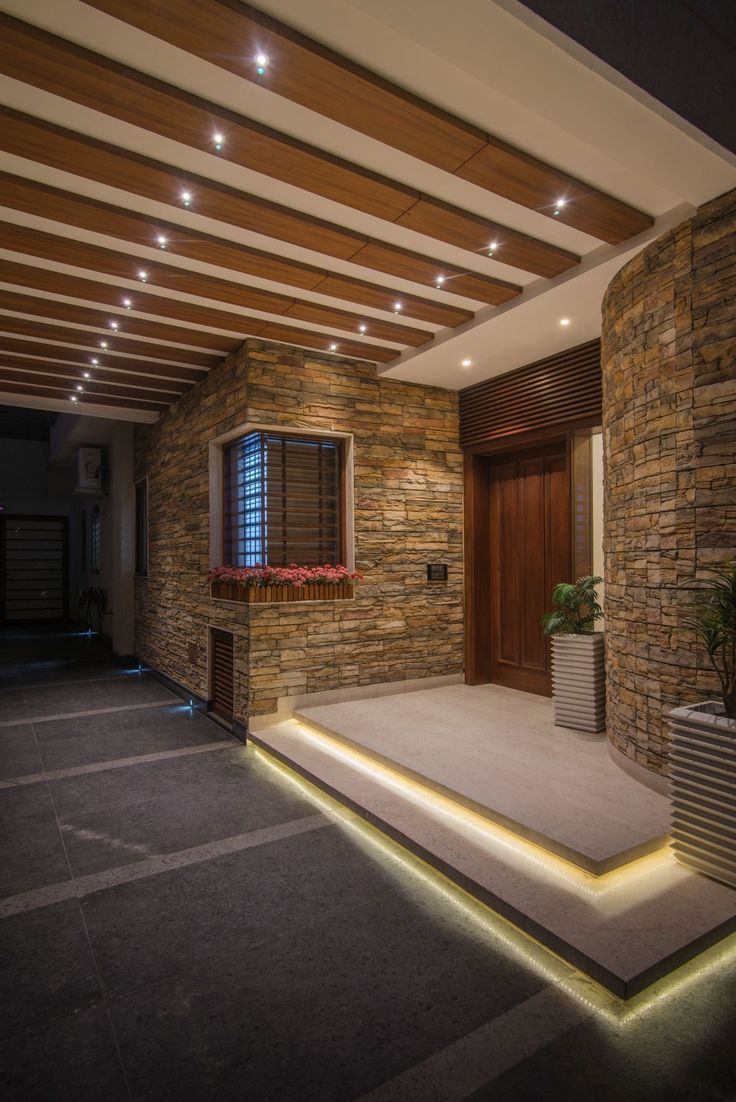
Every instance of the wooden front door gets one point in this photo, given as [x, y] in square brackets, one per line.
[530, 537]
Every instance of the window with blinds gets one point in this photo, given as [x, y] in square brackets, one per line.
[283, 500]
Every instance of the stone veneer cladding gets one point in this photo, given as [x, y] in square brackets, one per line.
[408, 512]
[669, 416]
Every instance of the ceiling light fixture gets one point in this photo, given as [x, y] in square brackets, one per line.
[86, 375]
[261, 63]
[492, 247]
[440, 280]
[564, 321]
[397, 307]
[186, 198]
[559, 205]
[142, 275]
[94, 360]
[467, 363]
[333, 348]
[219, 140]
[127, 303]
[114, 325]
[103, 344]
[73, 397]
[363, 328]
[79, 386]
[162, 241]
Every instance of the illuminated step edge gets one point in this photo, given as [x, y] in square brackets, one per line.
[552, 846]
[626, 930]
[703, 790]
[578, 681]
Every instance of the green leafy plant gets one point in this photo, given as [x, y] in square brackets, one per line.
[577, 607]
[714, 624]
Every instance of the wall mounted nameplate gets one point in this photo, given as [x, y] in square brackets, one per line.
[437, 572]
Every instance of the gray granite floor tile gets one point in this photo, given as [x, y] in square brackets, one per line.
[18, 751]
[121, 815]
[305, 907]
[13, 707]
[61, 699]
[46, 968]
[681, 1050]
[72, 1059]
[59, 672]
[31, 851]
[66, 743]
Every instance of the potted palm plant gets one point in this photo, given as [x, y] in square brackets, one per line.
[578, 656]
[703, 748]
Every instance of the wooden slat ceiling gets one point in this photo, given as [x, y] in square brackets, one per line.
[84, 218]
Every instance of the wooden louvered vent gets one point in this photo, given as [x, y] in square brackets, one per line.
[565, 389]
[222, 702]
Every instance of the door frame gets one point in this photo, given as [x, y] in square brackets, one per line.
[477, 484]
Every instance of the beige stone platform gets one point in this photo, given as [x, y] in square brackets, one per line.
[498, 752]
[439, 770]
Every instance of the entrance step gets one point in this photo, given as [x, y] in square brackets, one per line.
[626, 928]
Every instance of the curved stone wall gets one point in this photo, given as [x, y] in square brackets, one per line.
[669, 418]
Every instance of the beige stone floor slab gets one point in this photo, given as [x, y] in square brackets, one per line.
[499, 752]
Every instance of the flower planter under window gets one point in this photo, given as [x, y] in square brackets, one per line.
[276, 594]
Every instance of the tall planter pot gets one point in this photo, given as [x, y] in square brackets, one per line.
[579, 681]
[703, 789]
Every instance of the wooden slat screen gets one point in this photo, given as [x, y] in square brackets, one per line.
[283, 500]
[34, 567]
[561, 390]
[222, 702]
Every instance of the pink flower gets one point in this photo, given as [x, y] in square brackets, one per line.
[292, 575]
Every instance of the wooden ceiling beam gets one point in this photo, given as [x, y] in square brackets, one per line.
[85, 316]
[123, 266]
[63, 149]
[65, 69]
[38, 391]
[93, 386]
[100, 343]
[230, 34]
[58, 353]
[76, 374]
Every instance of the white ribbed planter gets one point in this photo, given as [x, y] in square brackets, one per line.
[703, 789]
[579, 681]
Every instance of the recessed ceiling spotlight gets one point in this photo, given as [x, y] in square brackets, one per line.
[564, 321]
[440, 280]
[94, 360]
[162, 241]
[467, 363]
[333, 348]
[219, 140]
[186, 198]
[73, 397]
[127, 303]
[114, 325]
[79, 386]
[142, 275]
[492, 247]
[397, 307]
[559, 205]
[363, 328]
[103, 344]
[261, 63]
[86, 375]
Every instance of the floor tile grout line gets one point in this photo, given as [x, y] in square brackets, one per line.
[114, 763]
[90, 712]
[90, 883]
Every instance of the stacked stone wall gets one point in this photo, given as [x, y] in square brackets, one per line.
[407, 513]
[669, 412]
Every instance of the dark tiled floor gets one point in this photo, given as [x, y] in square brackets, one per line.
[307, 966]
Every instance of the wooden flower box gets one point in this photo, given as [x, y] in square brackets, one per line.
[277, 594]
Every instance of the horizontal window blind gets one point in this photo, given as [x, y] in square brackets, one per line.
[283, 500]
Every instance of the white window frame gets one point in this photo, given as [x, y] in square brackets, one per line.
[216, 451]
